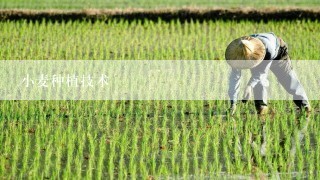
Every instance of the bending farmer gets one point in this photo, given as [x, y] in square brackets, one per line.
[259, 53]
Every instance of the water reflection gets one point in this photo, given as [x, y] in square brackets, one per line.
[266, 140]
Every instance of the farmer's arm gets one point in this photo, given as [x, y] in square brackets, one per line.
[259, 75]
[234, 85]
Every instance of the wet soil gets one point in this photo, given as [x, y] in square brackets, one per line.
[183, 14]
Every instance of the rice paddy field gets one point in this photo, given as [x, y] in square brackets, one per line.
[145, 40]
[177, 139]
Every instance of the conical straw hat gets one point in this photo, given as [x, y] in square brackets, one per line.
[245, 52]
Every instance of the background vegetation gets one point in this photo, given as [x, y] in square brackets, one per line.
[84, 4]
[146, 39]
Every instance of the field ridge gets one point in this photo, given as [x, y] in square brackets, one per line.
[166, 14]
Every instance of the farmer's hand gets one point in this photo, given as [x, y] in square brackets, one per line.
[247, 94]
[232, 109]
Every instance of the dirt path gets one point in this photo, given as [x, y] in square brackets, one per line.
[183, 14]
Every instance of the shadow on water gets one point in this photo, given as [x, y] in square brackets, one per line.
[297, 136]
[296, 141]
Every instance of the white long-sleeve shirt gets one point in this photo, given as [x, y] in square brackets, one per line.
[259, 73]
